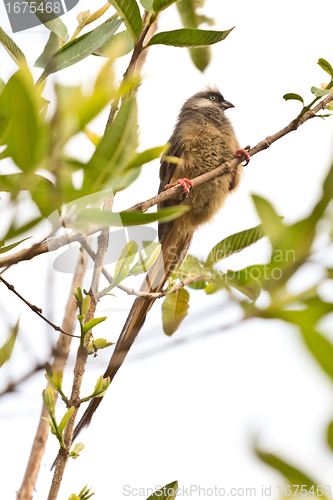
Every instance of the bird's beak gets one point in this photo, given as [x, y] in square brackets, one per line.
[226, 105]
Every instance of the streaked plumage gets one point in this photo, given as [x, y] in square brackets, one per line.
[203, 139]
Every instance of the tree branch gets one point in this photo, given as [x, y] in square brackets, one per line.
[81, 360]
[56, 243]
[36, 309]
[60, 358]
[137, 52]
[12, 385]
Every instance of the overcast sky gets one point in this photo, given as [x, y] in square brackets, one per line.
[192, 411]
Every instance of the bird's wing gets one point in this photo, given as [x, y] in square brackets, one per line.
[167, 169]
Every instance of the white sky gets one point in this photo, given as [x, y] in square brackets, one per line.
[191, 412]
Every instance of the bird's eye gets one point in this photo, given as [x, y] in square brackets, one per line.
[212, 97]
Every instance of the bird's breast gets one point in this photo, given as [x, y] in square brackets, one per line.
[205, 149]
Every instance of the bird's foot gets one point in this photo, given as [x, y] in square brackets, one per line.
[240, 153]
[186, 183]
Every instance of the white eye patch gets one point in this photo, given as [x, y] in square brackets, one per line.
[203, 102]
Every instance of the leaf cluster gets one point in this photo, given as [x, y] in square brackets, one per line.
[319, 93]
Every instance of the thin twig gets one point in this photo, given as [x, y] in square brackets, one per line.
[81, 360]
[130, 291]
[12, 385]
[134, 59]
[36, 309]
[60, 358]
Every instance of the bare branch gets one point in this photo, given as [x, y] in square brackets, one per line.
[56, 243]
[12, 385]
[36, 309]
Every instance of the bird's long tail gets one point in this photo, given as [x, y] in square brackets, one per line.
[174, 248]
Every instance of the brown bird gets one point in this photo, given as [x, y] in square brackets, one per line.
[203, 139]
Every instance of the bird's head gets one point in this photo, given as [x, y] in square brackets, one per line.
[208, 99]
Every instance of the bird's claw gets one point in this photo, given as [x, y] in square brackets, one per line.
[243, 152]
[186, 183]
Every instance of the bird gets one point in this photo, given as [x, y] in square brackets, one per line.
[203, 139]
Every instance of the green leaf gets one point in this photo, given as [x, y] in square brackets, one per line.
[271, 222]
[174, 310]
[7, 349]
[77, 292]
[116, 148]
[13, 50]
[52, 426]
[13, 245]
[320, 347]
[244, 282]
[147, 4]
[187, 12]
[96, 216]
[326, 66]
[2, 85]
[93, 322]
[51, 47]
[118, 45]
[98, 344]
[49, 401]
[77, 109]
[145, 157]
[99, 385]
[306, 319]
[212, 288]
[188, 37]
[145, 263]
[320, 92]
[18, 102]
[15, 183]
[159, 5]
[65, 419]
[150, 246]
[327, 196]
[80, 48]
[57, 380]
[191, 267]
[125, 179]
[168, 492]
[84, 493]
[294, 476]
[200, 57]
[55, 25]
[54, 377]
[100, 388]
[190, 19]
[315, 309]
[126, 258]
[85, 304]
[295, 97]
[78, 447]
[129, 10]
[330, 435]
[234, 243]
